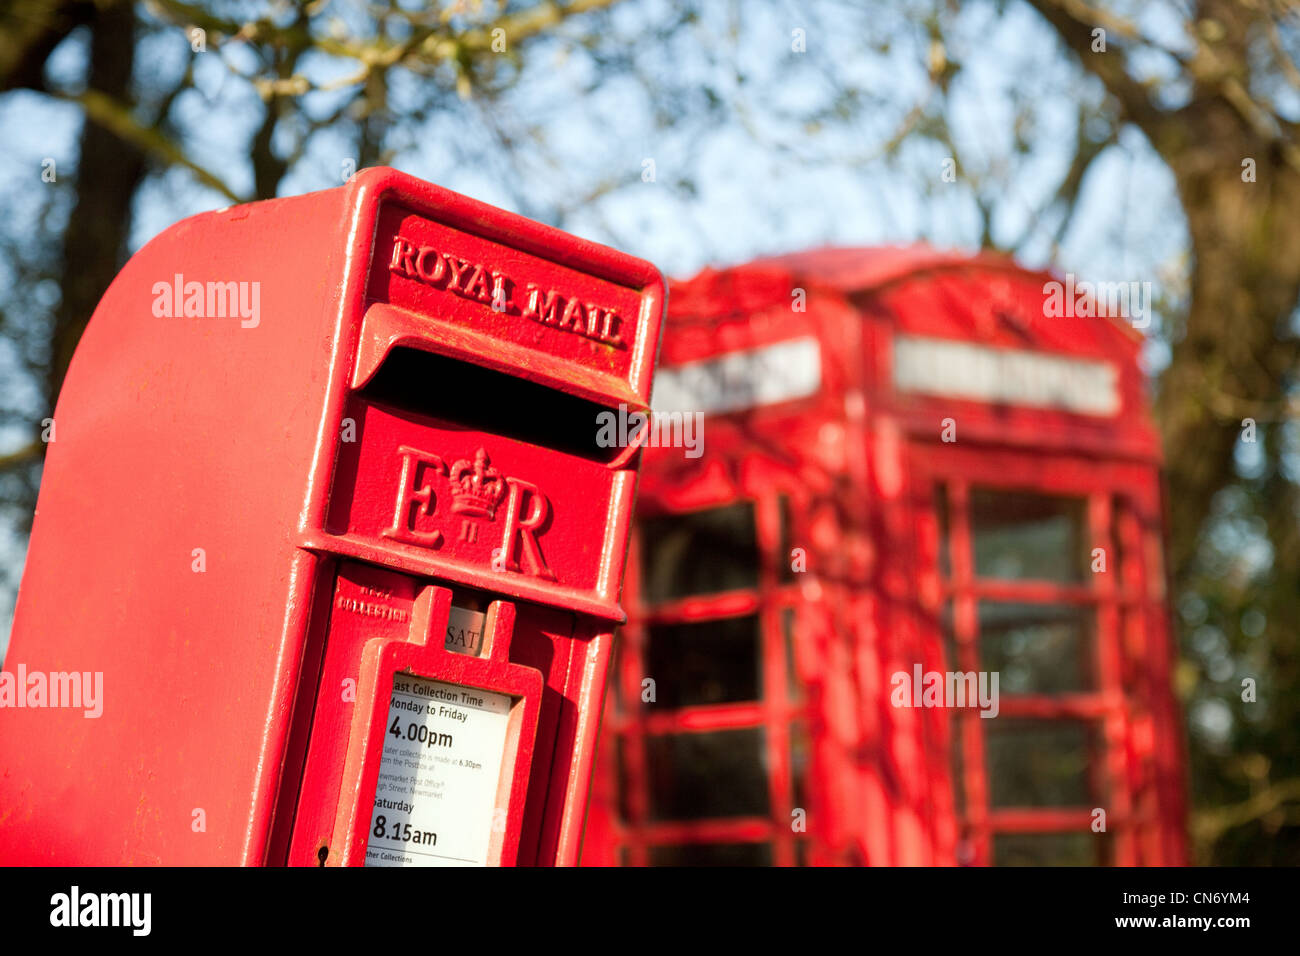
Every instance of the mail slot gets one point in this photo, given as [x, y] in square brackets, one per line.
[327, 521]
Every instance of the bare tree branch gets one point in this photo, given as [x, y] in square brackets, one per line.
[116, 117]
[21, 456]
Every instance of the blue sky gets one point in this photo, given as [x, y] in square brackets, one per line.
[762, 182]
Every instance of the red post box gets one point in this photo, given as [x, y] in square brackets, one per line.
[327, 523]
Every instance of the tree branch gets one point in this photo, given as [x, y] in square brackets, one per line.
[29, 32]
[1074, 22]
[115, 117]
[1209, 825]
[21, 456]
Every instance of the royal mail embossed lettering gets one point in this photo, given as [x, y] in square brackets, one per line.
[480, 282]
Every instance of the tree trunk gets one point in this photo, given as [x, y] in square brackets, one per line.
[108, 173]
[1234, 357]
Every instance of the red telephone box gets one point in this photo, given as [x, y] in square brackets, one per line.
[910, 466]
[326, 515]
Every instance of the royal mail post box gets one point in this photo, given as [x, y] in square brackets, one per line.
[327, 522]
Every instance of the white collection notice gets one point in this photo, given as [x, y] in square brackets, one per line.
[436, 799]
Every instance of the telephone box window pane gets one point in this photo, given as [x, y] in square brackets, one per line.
[1037, 648]
[958, 763]
[702, 552]
[625, 784]
[784, 563]
[704, 662]
[793, 687]
[949, 632]
[800, 753]
[941, 513]
[615, 679]
[706, 775]
[1047, 849]
[954, 717]
[1019, 535]
[712, 854]
[1038, 763]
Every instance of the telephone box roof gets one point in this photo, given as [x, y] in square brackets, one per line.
[849, 270]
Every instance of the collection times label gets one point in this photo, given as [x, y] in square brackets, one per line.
[436, 798]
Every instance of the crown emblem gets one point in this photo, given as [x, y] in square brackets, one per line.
[477, 488]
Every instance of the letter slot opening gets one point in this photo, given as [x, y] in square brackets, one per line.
[481, 399]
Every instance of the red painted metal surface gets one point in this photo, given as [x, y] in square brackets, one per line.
[251, 526]
[891, 511]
